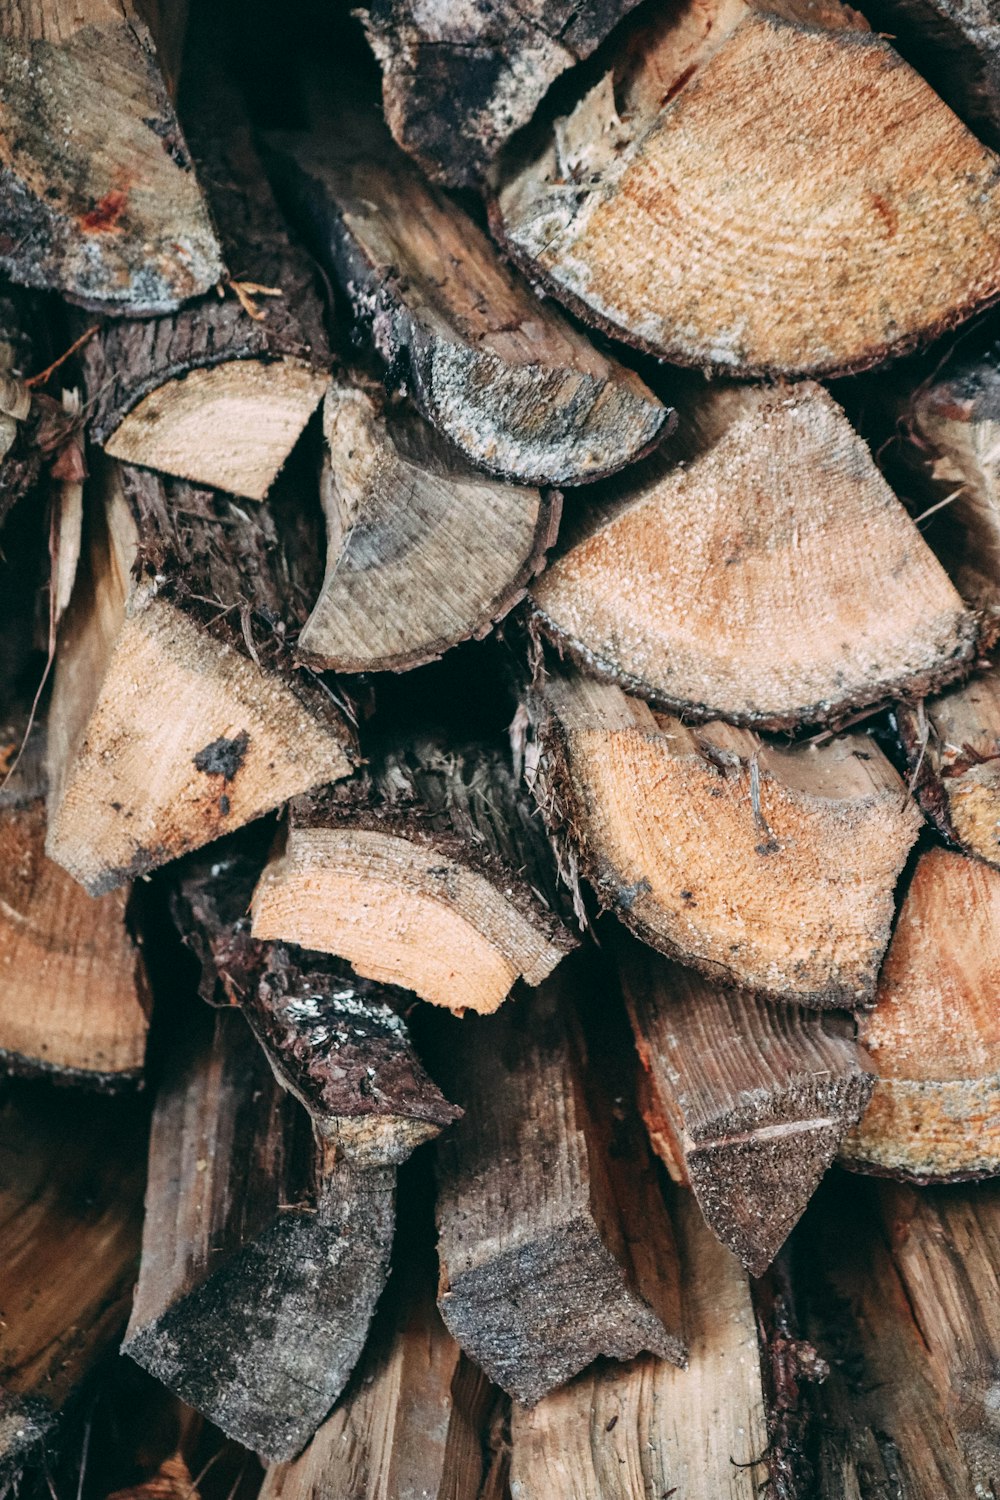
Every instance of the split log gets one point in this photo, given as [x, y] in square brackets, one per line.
[663, 206]
[934, 1032]
[768, 868]
[762, 571]
[422, 550]
[554, 1242]
[648, 1428]
[953, 745]
[745, 1101]
[71, 1173]
[457, 82]
[261, 1263]
[176, 713]
[101, 199]
[220, 392]
[339, 1044]
[428, 870]
[502, 375]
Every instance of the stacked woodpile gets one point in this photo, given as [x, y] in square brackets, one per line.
[500, 751]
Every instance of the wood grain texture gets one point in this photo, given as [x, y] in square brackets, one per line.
[553, 1238]
[677, 211]
[516, 388]
[934, 1031]
[338, 1043]
[261, 1263]
[648, 1428]
[428, 870]
[71, 1175]
[177, 713]
[767, 868]
[422, 551]
[459, 80]
[757, 569]
[745, 1101]
[101, 199]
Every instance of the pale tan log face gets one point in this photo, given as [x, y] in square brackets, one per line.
[802, 203]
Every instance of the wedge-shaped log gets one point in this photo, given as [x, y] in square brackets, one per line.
[100, 197]
[428, 870]
[219, 392]
[71, 1174]
[553, 1238]
[934, 1033]
[339, 1044]
[177, 714]
[766, 867]
[458, 81]
[664, 206]
[261, 1263]
[649, 1428]
[745, 1101]
[501, 374]
[760, 571]
[953, 744]
[423, 551]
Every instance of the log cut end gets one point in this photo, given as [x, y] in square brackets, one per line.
[664, 208]
[934, 1033]
[762, 572]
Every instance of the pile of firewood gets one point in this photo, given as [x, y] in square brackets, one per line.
[499, 724]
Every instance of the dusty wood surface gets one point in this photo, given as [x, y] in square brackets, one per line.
[955, 45]
[553, 1238]
[101, 199]
[338, 1043]
[423, 551]
[498, 371]
[934, 1032]
[429, 870]
[746, 1101]
[953, 745]
[71, 1175]
[261, 1264]
[620, 1430]
[177, 713]
[757, 569]
[214, 393]
[768, 868]
[665, 206]
[459, 80]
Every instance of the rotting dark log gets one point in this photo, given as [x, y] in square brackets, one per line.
[502, 375]
[101, 201]
[662, 207]
[423, 551]
[767, 867]
[756, 569]
[338, 1043]
[261, 1262]
[554, 1241]
[428, 870]
[746, 1101]
[177, 712]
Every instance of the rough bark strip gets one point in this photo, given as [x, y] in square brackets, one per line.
[516, 388]
[934, 1032]
[758, 569]
[101, 199]
[768, 868]
[553, 1239]
[664, 206]
[176, 653]
[261, 1263]
[428, 870]
[745, 1101]
[422, 550]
